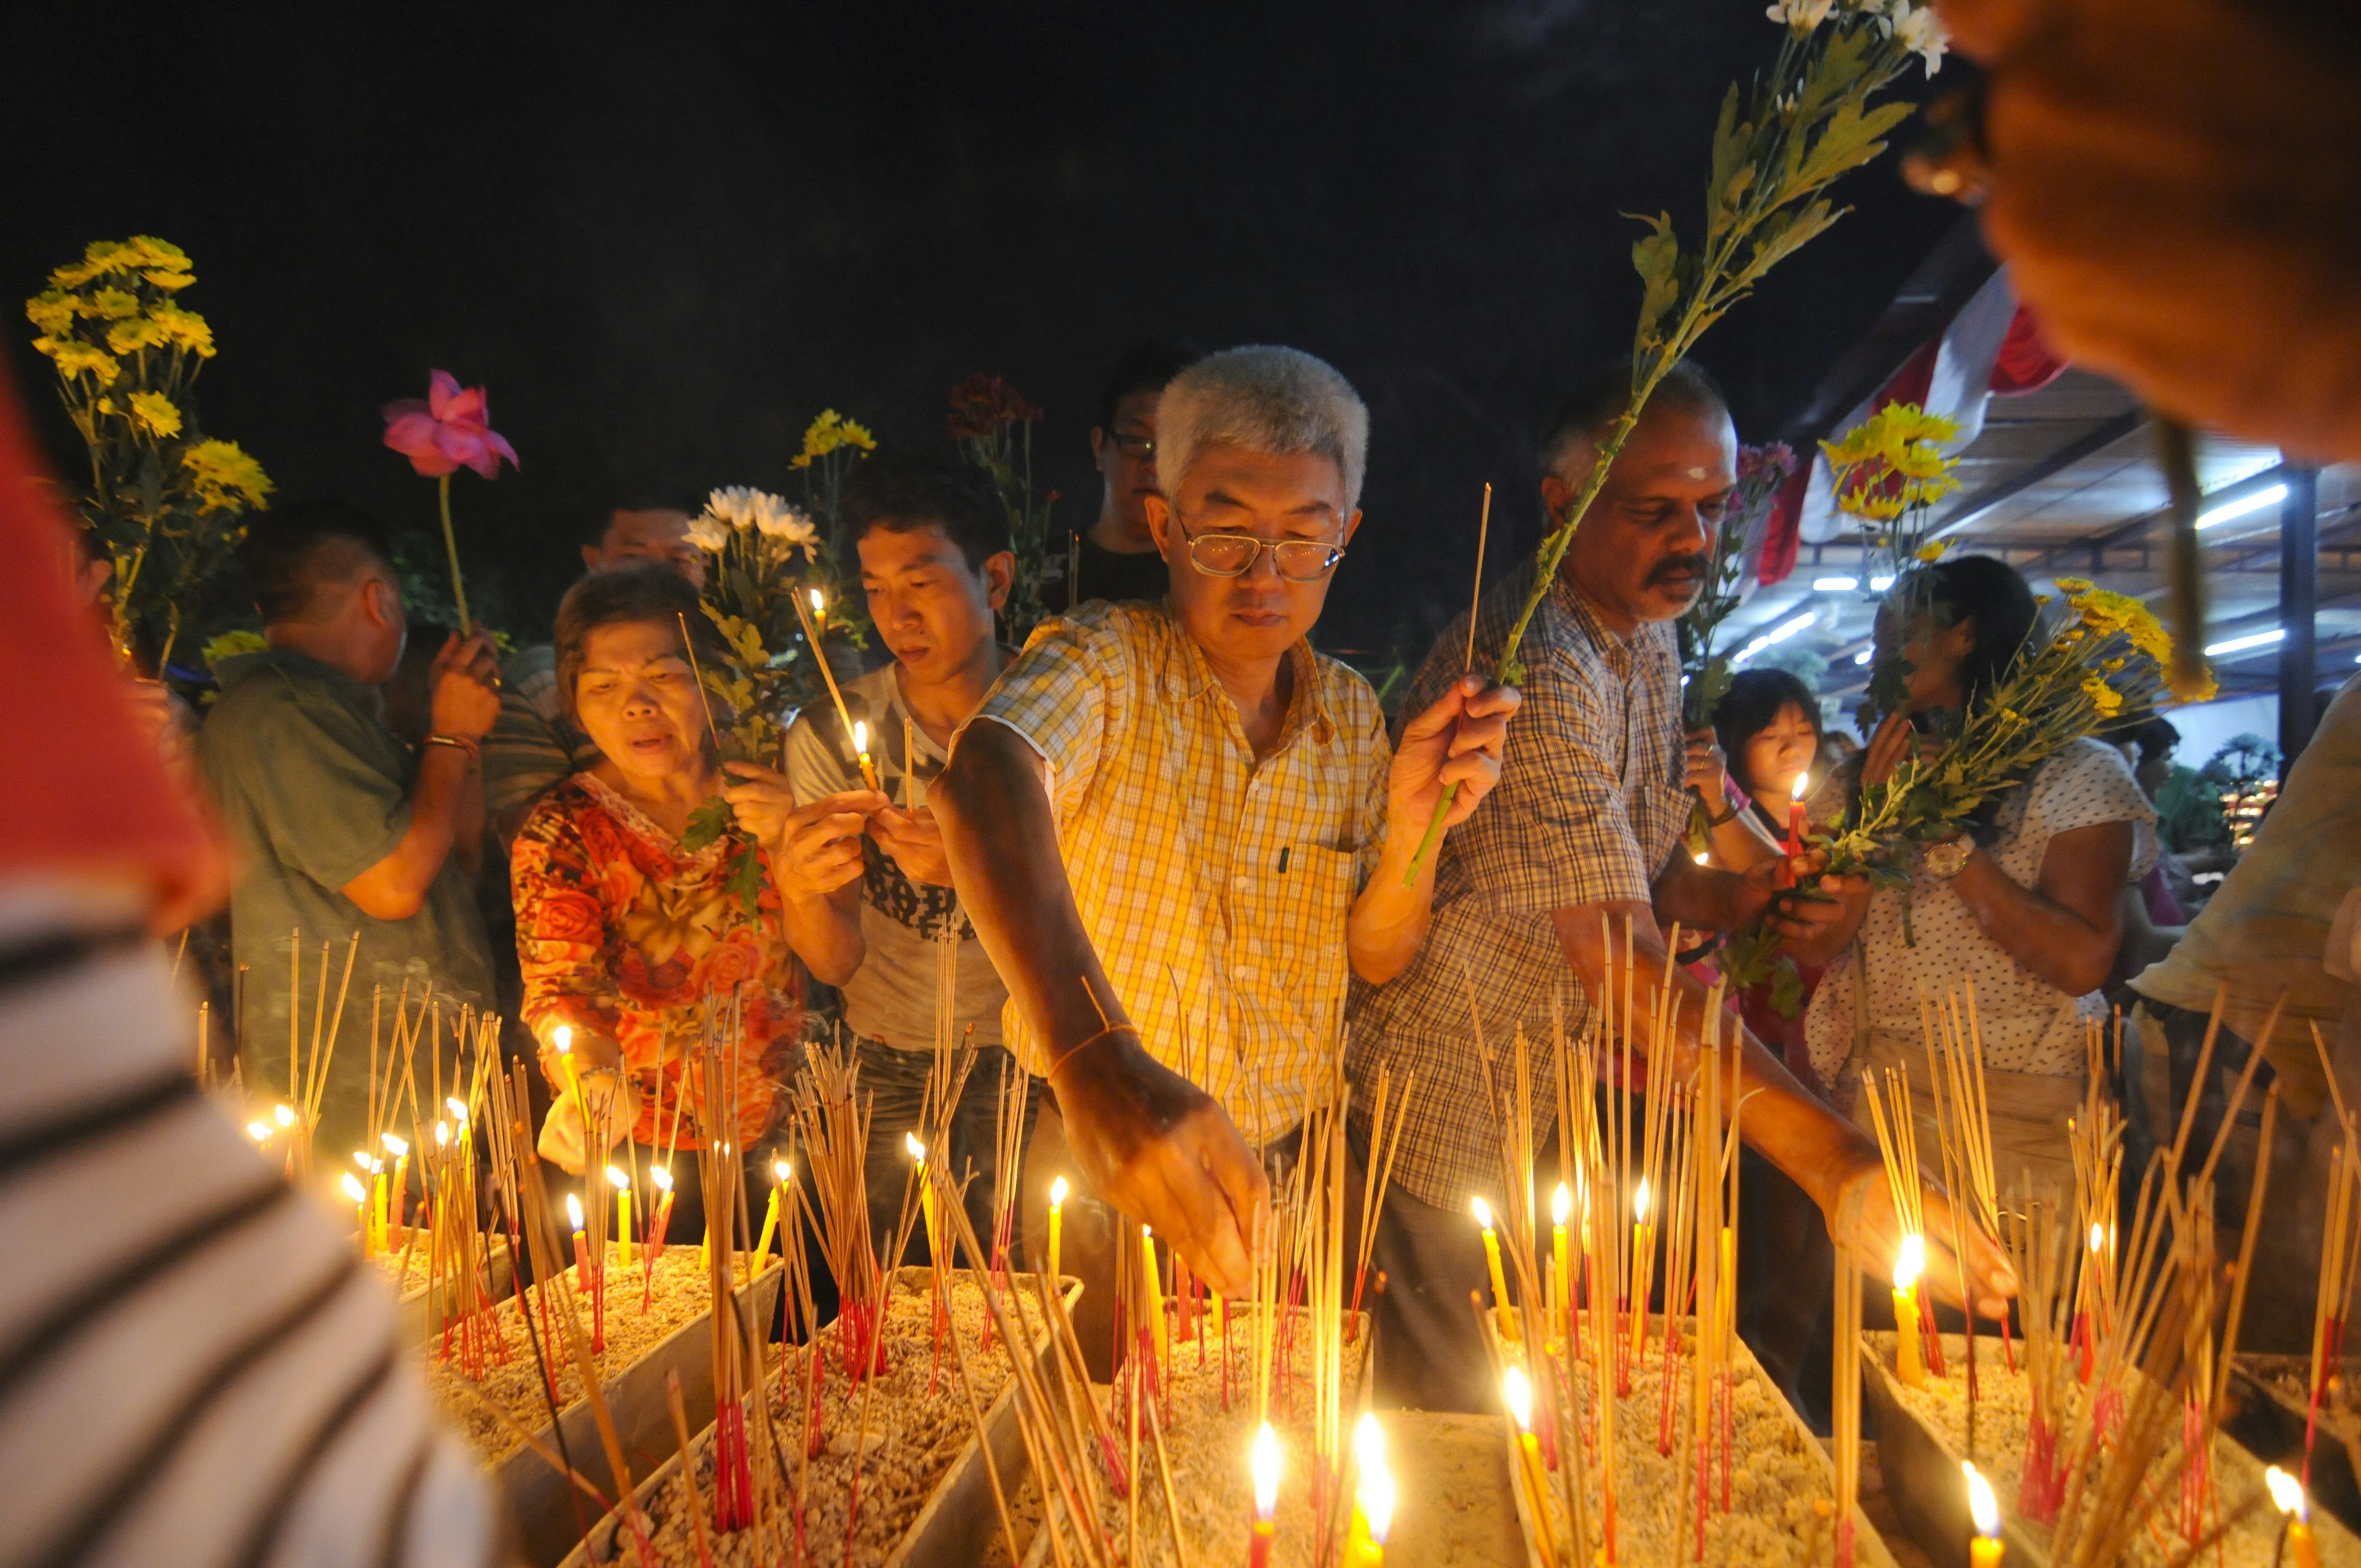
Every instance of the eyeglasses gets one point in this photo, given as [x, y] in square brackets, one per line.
[1234, 554]
[1133, 446]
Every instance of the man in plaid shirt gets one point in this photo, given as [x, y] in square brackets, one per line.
[1581, 841]
[1178, 813]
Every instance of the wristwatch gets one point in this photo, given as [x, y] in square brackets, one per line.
[1948, 858]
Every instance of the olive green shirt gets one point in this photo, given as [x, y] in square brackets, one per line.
[314, 790]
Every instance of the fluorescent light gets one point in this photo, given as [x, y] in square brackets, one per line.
[1879, 584]
[1779, 633]
[2227, 510]
[1835, 584]
[2241, 644]
[1866, 654]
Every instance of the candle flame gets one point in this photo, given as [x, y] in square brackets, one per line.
[1057, 1191]
[661, 1176]
[784, 1171]
[860, 736]
[574, 1211]
[458, 1108]
[1517, 1390]
[916, 1149]
[398, 1147]
[1640, 1202]
[2287, 1492]
[1803, 784]
[1561, 1204]
[361, 1158]
[562, 1038]
[1910, 1262]
[442, 1134]
[1701, 856]
[354, 1189]
[2098, 1235]
[286, 1115]
[1378, 1492]
[1263, 1460]
[618, 1179]
[1483, 1212]
[818, 603]
[259, 1131]
[1981, 1504]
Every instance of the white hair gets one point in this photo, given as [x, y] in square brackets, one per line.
[1262, 399]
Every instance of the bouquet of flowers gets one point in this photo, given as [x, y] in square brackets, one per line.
[1777, 149]
[767, 596]
[993, 424]
[1890, 470]
[832, 444]
[165, 503]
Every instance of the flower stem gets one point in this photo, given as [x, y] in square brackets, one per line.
[451, 542]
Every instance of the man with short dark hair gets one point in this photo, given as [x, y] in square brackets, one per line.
[866, 893]
[338, 827]
[1538, 892]
[1116, 558]
[533, 746]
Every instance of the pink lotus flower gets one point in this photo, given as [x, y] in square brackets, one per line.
[447, 431]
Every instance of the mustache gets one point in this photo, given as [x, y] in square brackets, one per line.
[1672, 566]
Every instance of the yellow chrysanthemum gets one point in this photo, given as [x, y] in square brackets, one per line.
[110, 304]
[184, 329]
[166, 279]
[139, 331]
[75, 357]
[146, 250]
[155, 414]
[2103, 697]
[223, 474]
[1933, 549]
[52, 310]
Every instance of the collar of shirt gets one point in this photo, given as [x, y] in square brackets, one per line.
[1577, 608]
[296, 669]
[1188, 675]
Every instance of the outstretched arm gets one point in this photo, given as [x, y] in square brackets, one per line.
[1150, 1142]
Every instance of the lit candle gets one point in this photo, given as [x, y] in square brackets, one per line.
[818, 603]
[620, 1181]
[1986, 1550]
[259, 1131]
[1796, 822]
[400, 1149]
[581, 1242]
[1155, 1281]
[1373, 1502]
[916, 1150]
[1057, 1191]
[861, 752]
[1492, 1261]
[2287, 1493]
[373, 1229]
[360, 1195]
[1517, 1392]
[1263, 1460]
[1909, 1265]
[1643, 1264]
[286, 1115]
[779, 1171]
[1561, 1207]
[663, 1221]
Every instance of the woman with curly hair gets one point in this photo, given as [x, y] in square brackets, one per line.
[629, 941]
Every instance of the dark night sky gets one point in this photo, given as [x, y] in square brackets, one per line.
[666, 238]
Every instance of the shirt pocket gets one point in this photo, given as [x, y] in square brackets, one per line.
[1290, 952]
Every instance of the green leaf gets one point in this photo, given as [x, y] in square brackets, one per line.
[708, 822]
[1657, 257]
[745, 880]
[1732, 172]
[1850, 140]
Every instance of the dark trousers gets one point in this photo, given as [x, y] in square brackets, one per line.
[896, 1084]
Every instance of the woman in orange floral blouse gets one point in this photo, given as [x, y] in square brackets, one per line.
[626, 939]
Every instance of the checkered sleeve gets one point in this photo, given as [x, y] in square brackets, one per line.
[1377, 757]
[1059, 694]
[1561, 835]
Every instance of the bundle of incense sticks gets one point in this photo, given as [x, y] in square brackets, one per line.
[1107, 1475]
[294, 1123]
[2340, 1247]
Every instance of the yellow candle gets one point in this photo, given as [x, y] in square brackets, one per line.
[1155, 1280]
[1492, 1261]
[381, 1208]
[1373, 1501]
[1562, 1310]
[861, 751]
[2287, 1493]
[1907, 1266]
[1517, 1392]
[917, 1152]
[400, 1149]
[781, 1169]
[360, 1195]
[621, 1182]
[1643, 1265]
[1986, 1550]
[1056, 1222]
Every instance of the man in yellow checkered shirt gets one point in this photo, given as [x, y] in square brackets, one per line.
[1174, 825]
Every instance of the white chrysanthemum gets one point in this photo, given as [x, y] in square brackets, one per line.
[707, 533]
[1803, 15]
[1921, 30]
[742, 507]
